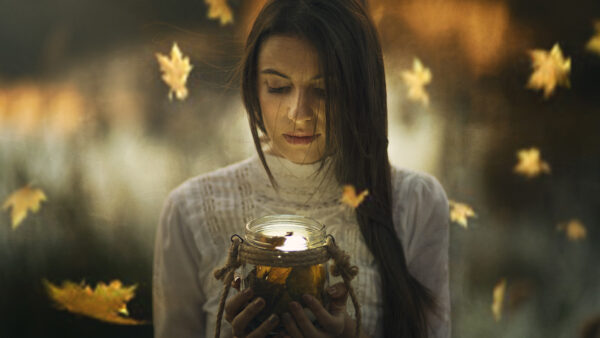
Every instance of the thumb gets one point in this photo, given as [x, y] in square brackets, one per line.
[338, 294]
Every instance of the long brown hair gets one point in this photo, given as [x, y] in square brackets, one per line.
[356, 132]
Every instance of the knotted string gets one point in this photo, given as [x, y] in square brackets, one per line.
[240, 253]
[343, 268]
[226, 274]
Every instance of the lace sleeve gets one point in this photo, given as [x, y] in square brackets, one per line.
[177, 295]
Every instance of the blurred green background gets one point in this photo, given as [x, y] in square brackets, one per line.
[84, 115]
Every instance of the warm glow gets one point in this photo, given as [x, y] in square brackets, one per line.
[293, 243]
[482, 30]
[30, 108]
[295, 240]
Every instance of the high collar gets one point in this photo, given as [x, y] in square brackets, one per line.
[297, 183]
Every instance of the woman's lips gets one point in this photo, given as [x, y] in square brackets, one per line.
[300, 139]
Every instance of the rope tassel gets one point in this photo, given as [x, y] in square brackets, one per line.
[242, 253]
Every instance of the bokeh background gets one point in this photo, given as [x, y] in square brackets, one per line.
[85, 117]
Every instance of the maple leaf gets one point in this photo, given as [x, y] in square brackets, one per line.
[574, 229]
[594, 44]
[218, 9]
[21, 201]
[175, 72]
[550, 69]
[350, 198]
[459, 213]
[498, 299]
[416, 81]
[530, 163]
[106, 302]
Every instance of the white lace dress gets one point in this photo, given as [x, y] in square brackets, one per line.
[200, 216]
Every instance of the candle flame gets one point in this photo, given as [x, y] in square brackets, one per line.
[293, 243]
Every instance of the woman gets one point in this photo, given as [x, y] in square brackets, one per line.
[313, 85]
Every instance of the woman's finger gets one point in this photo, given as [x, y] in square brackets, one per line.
[235, 304]
[265, 328]
[329, 322]
[241, 321]
[306, 326]
[290, 326]
[338, 297]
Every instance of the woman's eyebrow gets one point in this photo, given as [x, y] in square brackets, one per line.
[274, 72]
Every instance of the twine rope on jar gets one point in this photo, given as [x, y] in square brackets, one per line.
[242, 253]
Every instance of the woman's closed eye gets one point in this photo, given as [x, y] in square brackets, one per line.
[319, 92]
[278, 90]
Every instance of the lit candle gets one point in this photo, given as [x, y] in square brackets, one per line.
[294, 240]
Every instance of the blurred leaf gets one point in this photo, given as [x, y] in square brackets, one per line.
[594, 44]
[416, 81]
[574, 229]
[175, 72]
[550, 69]
[350, 198]
[530, 163]
[459, 213]
[498, 296]
[106, 302]
[21, 201]
[218, 9]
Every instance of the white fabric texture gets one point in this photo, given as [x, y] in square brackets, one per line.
[200, 216]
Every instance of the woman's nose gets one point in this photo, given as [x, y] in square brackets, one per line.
[300, 108]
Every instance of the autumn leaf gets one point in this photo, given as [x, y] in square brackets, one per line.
[350, 198]
[594, 44]
[106, 302]
[21, 201]
[459, 212]
[275, 275]
[175, 72]
[498, 297]
[218, 9]
[530, 163]
[416, 81]
[574, 229]
[550, 69]
[272, 241]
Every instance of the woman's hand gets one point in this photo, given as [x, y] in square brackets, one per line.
[334, 323]
[241, 309]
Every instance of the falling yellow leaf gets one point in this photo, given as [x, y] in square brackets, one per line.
[594, 44]
[21, 201]
[574, 229]
[175, 72]
[530, 163]
[550, 69]
[416, 81]
[218, 9]
[459, 213]
[350, 198]
[499, 291]
[106, 302]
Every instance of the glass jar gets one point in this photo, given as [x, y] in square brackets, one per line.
[281, 284]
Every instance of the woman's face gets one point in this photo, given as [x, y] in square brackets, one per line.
[292, 98]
